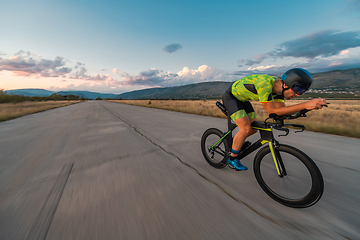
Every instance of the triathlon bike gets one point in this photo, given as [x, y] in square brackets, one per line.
[285, 173]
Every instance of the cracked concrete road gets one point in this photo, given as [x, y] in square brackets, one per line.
[101, 170]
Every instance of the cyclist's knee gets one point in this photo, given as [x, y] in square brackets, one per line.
[244, 125]
[246, 129]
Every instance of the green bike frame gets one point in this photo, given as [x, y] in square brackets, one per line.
[267, 136]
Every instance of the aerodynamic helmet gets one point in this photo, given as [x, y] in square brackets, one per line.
[297, 79]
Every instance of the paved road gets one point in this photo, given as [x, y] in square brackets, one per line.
[101, 170]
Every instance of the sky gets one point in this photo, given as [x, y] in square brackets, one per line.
[120, 46]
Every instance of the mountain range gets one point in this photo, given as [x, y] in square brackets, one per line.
[338, 80]
[36, 92]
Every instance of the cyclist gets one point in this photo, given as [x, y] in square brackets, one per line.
[270, 91]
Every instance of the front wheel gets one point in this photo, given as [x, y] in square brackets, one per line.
[215, 149]
[300, 183]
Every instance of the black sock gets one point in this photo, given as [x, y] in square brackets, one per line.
[232, 158]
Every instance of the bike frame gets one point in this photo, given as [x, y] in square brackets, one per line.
[266, 136]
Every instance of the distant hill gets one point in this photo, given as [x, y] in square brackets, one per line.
[197, 90]
[31, 92]
[337, 78]
[87, 94]
[145, 93]
[338, 83]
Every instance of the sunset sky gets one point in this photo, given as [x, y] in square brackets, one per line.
[119, 46]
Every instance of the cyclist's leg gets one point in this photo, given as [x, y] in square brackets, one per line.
[245, 130]
[233, 105]
[242, 111]
[243, 118]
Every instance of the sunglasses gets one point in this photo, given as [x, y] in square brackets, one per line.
[298, 89]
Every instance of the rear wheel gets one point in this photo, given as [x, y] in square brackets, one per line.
[301, 184]
[214, 150]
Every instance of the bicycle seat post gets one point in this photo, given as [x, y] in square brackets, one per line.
[231, 126]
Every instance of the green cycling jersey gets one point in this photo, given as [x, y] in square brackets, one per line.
[256, 87]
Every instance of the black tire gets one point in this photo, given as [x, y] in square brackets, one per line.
[218, 157]
[303, 185]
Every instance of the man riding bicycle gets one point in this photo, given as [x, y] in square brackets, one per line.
[270, 91]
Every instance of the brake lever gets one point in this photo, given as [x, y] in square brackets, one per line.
[299, 126]
[282, 129]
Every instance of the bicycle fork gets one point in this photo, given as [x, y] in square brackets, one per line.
[268, 137]
[279, 164]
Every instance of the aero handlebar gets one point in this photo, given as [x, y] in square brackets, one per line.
[301, 113]
[279, 119]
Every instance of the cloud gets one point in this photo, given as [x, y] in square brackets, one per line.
[315, 65]
[159, 78]
[172, 47]
[23, 53]
[24, 64]
[344, 52]
[122, 74]
[115, 70]
[82, 75]
[256, 60]
[320, 44]
[78, 64]
[150, 73]
[58, 72]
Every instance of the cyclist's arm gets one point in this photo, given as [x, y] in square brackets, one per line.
[270, 107]
[279, 104]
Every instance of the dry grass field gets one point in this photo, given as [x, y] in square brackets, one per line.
[13, 110]
[342, 117]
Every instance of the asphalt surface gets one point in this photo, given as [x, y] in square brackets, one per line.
[102, 170]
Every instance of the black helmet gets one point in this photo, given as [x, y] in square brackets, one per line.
[297, 79]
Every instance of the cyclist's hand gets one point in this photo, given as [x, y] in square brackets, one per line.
[317, 103]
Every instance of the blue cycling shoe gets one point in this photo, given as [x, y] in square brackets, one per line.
[236, 164]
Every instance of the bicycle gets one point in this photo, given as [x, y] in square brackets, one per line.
[285, 173]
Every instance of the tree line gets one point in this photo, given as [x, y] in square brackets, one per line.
[8, 98]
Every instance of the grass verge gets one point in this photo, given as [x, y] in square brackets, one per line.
[14, 110]
[342, 117]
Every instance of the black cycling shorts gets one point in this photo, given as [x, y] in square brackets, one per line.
[237, 109]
